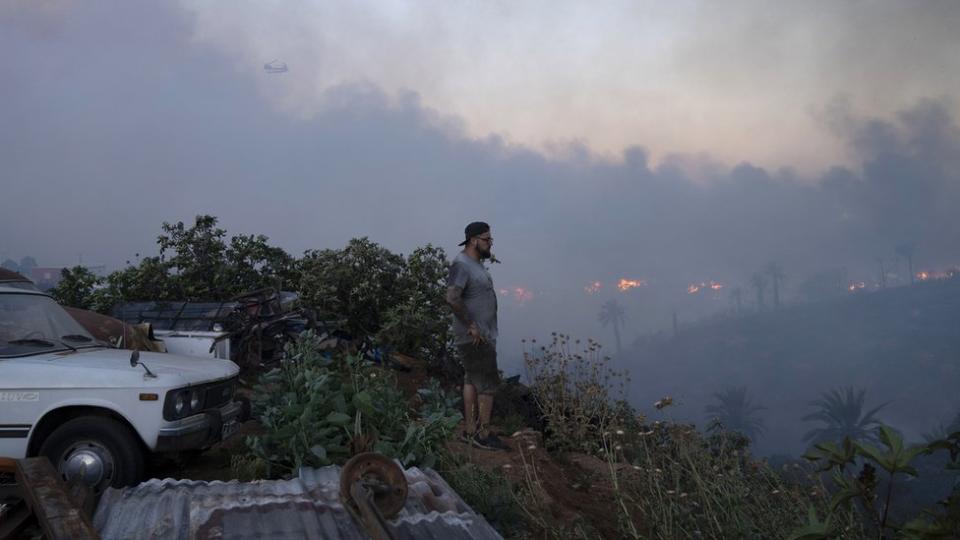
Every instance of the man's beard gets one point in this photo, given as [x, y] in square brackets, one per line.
[484, 253]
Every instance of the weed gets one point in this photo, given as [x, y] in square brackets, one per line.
[680, 484]
[246, 467]
[490, 494]
[572, 389]
[872, 494]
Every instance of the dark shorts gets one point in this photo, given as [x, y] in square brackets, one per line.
[480, 366]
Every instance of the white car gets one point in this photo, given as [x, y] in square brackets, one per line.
[95, 411]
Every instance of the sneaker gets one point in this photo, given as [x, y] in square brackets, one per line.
[490, 442]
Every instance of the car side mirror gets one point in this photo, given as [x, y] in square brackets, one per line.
[135, 360]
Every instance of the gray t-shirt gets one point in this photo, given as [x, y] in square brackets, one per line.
[479, 297]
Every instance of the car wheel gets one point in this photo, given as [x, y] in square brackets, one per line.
[100, 451]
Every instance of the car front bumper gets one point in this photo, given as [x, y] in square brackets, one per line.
[201, 430]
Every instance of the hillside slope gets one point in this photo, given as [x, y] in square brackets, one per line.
[901, 344]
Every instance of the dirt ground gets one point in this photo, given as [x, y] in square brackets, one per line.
[570, 488]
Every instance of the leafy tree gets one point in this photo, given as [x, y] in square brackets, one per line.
[76, 288]
[252, 263]
[841, 411]
[613, 314]
[203, 266]
[735, 411]
[148, 281]
[196, 257]
[419, 324]
[11, 265]
[382, 298]
[196, 263]
[358, 283]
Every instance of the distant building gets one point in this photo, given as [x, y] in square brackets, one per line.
[46, 277]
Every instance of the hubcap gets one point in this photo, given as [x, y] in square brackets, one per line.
[88, 461]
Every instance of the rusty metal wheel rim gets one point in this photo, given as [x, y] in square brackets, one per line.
[375, 466]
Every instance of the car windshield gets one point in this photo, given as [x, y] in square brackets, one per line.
[34, 324]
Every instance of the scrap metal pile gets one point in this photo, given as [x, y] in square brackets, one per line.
[250, 329]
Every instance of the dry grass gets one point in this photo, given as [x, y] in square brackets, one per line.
[667, 479]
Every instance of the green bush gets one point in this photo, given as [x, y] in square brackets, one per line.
[387, 300]
[319, 411]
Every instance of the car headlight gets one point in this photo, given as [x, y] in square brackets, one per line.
[183, 402]
[195, 402]
[179, 404]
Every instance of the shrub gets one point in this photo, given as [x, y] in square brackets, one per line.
[382, 298]
[318, 411]
[881, 468]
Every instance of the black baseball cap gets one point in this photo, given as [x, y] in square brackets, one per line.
[474, 229]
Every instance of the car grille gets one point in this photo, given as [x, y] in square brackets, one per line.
[219, 394]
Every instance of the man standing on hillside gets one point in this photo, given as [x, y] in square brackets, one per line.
[473, 301]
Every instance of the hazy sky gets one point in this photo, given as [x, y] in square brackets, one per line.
[735, 79]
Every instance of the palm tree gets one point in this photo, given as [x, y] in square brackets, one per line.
[906, 250]
[776, 277]
[612, 313]
[841, 412]
[735, 411]
[942, 431]
[759, 282]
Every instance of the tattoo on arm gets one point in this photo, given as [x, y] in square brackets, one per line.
[455, 299]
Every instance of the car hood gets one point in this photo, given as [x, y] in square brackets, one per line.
[104, 367]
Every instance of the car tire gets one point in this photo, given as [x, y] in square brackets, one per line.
[99, 444]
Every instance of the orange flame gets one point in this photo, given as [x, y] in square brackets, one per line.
[923, 276]
[593, 287]
[627, 284]
[522, 295]
[714, 286]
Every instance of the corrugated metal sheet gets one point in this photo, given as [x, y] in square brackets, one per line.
[305, 507]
